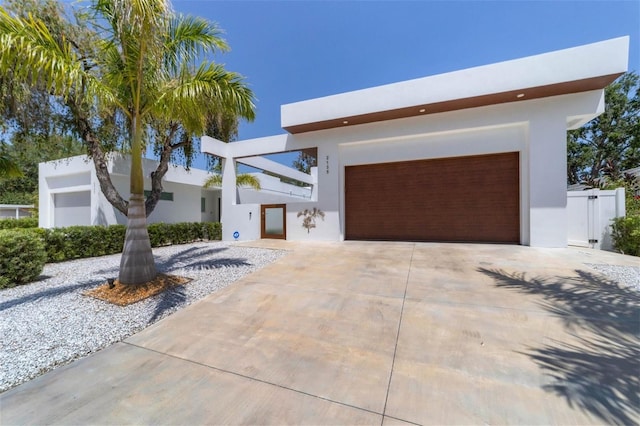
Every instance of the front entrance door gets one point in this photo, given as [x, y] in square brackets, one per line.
[273, 221]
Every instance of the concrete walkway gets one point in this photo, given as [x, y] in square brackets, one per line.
[372, 333]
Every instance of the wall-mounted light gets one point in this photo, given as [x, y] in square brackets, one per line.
[422, 110]
[249, 215]
[345, 122]
[520, 95]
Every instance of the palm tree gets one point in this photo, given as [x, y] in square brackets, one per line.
[242, 179]
[142, 67]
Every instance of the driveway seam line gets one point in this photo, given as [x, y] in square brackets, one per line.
[402, 420]
[395, 349]
[252, 378]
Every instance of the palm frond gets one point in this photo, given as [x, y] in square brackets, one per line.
[189, 37]
[27, 45]
[213, 181]
[36, 56]
[243, 179]
[211, 90]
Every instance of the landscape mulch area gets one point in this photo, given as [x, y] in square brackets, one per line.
[126, 294]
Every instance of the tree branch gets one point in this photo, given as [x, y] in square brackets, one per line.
[163, 166]
[99, 160]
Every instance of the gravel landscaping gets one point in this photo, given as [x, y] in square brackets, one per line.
[50, 322]
[627, 276]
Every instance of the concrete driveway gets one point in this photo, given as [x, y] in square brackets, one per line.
[372, 333]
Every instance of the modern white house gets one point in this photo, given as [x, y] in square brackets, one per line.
[473, 155]
[70, 194]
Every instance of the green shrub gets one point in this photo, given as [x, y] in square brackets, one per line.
[211, 231]
[163, 234]
[625, 232]
[115, 238]
[77, 242]
[22, 257]
[25, 222]
[159, 234]
[55, 241]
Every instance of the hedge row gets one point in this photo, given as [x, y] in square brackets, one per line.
[24, 222]
[23, 252]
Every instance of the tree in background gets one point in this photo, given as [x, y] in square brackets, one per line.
[35, 125]
[610, 143]
[27, 151]
[307, 158]
[8, 168]
[129, 81]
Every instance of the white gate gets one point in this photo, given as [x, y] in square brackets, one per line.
[590, 213]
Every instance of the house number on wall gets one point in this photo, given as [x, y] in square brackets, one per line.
[327, 162]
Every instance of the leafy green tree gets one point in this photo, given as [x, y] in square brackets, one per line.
[131, 82]
[307, 158]
[28, 151]
[8, 168]
[610, 143]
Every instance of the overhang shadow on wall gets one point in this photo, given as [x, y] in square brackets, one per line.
[601, 374]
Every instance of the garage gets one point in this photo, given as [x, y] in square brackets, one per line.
[463, 199]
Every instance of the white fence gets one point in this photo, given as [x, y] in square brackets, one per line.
[590, 214]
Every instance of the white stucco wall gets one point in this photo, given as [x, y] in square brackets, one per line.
[536, 129]
[76, 175]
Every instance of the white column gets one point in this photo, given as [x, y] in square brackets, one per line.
[548, 225]
[228, 198]
[45, 199]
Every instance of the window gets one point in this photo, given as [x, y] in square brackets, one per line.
[166, 196]
[203, 205]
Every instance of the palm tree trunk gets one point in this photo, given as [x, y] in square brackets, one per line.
[136, 264]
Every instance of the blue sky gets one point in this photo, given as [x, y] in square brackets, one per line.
[295, 50]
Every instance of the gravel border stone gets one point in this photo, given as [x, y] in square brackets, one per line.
[49, 323]
[627, 276]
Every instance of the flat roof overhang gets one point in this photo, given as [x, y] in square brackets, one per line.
[575, 70]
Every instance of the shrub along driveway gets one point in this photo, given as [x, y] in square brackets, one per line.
[371, 333]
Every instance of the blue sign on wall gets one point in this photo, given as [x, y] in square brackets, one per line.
[236, 235]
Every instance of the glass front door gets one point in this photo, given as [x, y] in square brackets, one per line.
[273, 221]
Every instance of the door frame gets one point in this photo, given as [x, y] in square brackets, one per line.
[263, 234]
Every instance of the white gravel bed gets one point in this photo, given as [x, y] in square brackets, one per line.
[49, 322]
[628, 276]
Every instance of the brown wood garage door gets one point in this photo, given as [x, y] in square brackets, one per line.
[473, 198]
